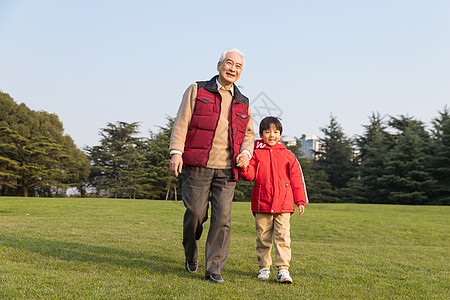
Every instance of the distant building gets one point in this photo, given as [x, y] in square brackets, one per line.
[310, 143]
[291, 143]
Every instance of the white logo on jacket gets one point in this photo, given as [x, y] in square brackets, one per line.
[261, 144]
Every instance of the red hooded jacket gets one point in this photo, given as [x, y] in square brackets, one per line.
[278, 179]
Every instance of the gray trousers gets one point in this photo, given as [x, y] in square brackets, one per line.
[201, 185]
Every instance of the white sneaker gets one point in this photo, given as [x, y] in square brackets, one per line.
[264, 274]
[283, 276]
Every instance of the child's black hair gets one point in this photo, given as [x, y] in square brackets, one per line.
[267, 121]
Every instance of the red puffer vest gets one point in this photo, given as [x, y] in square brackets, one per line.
[204, 122]
[278, 179]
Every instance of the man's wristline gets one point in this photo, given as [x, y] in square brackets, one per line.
[172, 152]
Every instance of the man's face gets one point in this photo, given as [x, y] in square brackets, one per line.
[230, 69]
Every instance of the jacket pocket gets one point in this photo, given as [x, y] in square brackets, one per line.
[204, 107]
[204, 117]
[288, 200]
[241, 119]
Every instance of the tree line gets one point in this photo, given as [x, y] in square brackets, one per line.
[396, 160]
[36, 158]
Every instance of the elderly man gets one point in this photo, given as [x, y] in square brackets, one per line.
[212, 136]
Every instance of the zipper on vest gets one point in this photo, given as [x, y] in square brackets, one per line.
[231, 136]
[215, 127]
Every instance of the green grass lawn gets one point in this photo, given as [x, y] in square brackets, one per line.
[116, 249]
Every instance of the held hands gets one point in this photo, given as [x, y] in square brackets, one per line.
[176, 164]
[301, 209]
[242, 160]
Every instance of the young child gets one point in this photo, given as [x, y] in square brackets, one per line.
[278, 185]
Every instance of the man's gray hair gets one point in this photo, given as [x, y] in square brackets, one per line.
[232, 50]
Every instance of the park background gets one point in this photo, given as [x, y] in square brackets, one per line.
[89, 90]
[94, 62]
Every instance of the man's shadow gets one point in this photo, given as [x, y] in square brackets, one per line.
[74, 251]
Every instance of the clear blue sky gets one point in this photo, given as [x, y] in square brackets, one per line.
[94, 62]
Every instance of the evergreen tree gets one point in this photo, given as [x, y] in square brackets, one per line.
[439, 162]
[374, 146]
[406, 123]
[35, 156]
[99, 172]
[9, 164]
[76, 165]
[317, 186]
[34, 161]
[134, 174]
[117, 164]
[335, 157]
[162, 183]
[406, 180]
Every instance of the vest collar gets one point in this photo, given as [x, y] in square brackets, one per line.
[212, 87]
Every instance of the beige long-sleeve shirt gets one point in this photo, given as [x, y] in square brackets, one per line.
[220, 154]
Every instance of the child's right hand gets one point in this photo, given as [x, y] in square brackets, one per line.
[301, 209]
[242, 160]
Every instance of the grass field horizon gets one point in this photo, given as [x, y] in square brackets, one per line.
[131, 249]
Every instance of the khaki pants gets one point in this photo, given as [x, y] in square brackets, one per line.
[273, 228]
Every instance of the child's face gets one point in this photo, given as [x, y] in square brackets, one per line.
[271, 136]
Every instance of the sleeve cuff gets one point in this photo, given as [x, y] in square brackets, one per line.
[172, 152]
[248, 153]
